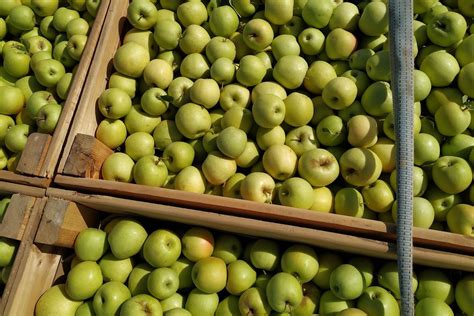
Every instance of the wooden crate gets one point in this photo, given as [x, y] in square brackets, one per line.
[38, 162]
[79, 168]
[66, 213]
[20, 222]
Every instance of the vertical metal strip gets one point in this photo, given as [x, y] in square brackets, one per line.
[402, 66]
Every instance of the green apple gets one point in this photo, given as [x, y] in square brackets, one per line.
[254, 301]
[378, 196]
[284, 45]
[48, 72]
[301, 261]
[223, 21]
[330, 304]
[441, 67]
[311, 41]
[232, 189]
[339, 93]
[56, 301]
[266, 137]
[446, 29]
[374, 19]
[83, 280]
[340, 44]
[85, 309]
[174, 301]
[345, 15]
[16, 63]
[77, 27]
[62, 16]
[318, 13]
[388, 278]
[162, 283]
[358, 59]
[76, 45]
[268, 87]
[349, 202]
[378, 66]
[138, 278]
[464, 293]
[199, 115]
[200, 303]
[265, 254]
[228, 248]
[452, 119]
[284, 292]
[189, 179]
[142, 14]
[193, 12]
[375, 300]
[346, 282]
[237, 117]
[251, 71]
[228, 306]
[223, 70]
[232, 141]
[442, 202]
[63, 85]
[423, 212]
[351, 312]
[183, 268]
[131, 59]
[139, 144]
[240, 277]
[258, 34]
[258, 186]
[377, 99]
[16, 137]
[126, 238]
[323, 200]
[296, 192]
[91, 244]
[177, 156]
[8, 248]
[298, 109]
[21, 18]
[209, 274]
[59, 53]
[462, 53]
[460, 219]
[433, 306]
[280, 161]
[465, 78]
[290, 71]
[318, 76]
[114, 269]
[360, 166]
[452, 174]
[434, 283]
[197, 243]
[111, 132]
[110, 296]
[362, 131]
[47, 29]
[268, 111]
[459, 145]
[301, 139]
[422, 85]
[162, 248]
[427, 149]
[319, 167]
[12, 100]
[195, 66]
[137, 120]
[141, 305]
[47, 118]
[28, 85]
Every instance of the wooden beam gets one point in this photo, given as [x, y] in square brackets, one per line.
[34, 155]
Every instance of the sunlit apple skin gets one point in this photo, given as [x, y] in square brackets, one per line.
[360, 166]
[319, 167]
[258, 187]
[452, 174]
[460, 219]
[56, 301]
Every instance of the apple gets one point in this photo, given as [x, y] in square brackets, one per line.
[218, 168]
[162, 248]
[452, 174]
[284, 292]
[420, 181]
[91, 244]
[268, 87]
[360, 166]
[189, 179]
[378, 196]
[172, 302]
[377, 99]
[268, 111]
[464, 293]
[339, 93]
[266, 137]
[83, 280]
[362, 131]
[165, 133]
[131, 59]
[111, 132]
[109, 297]
[16, 63]
[280, 161]
[284, 45]
[446, 29]
[311, 41]
[301, 139]
[296, 192]
[228, 306]
[197, 243]
[60, 53]
[223, 21]
[427, 149]
[301, 261]
[318, 13]
[199, 115]
[462, 53]
[228, 248]
[432, 306]
[28, 85]
[223, 70]
[48, 72]
[251, 71]
[319, 167]
[232, 187]
[346, 282]
[351, 312]
[137, 120]
[298, 109]
[162, 283]
[138, 278]
[141, 305]
[240, 277]
[340, 44]
[323, 200]
[349, 202]
[290, 71]
[12, 100]
[21, 18]
[358, 59]
[63, 85]
[200, 303]
[265, 254]
[374, 19]
[460, 219]
[331, 304]
[434, 283]
[254, 301]
[114, 269]
[139, 144]
[375, 300]
[193, 12]
[178, 155]
[126, 238]
[8, 248]
[441, 67]
[85, 309]
[388, 278]
[48, 117]
[16, 137]
[142, 14]
[423, 212]
[451, 119]
[237, 117]
[77, 27]
[56, 301]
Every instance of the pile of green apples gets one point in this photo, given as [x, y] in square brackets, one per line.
[8, 250]
[41, 43]
[289, 102]
[123, 270]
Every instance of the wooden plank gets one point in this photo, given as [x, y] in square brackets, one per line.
[17, 216]
[34, 155]
[85, 119]
[10, 188]
[261, 228]
[62, 221]
[59, 137]
[9, 176]
[328, 221]
[86, 157]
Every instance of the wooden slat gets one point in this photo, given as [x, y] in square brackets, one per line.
[328, 221]
[34, 155]
[85, 119]
[86, 157]
[261, 228]
[16, 218]
[62, 221]
[10, 188]
[25, 180]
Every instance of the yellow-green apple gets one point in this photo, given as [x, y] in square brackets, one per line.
[290, 71]
[377, 99]
[296, 192]
[258, 187]
[433, 306]
[323, 200]
[452, 174]
[227, 247]
[330, 304]
[301, 261]
[218, 168]
[446, 29]
[422, 6]
[114, 269]
[232, 186]
[21, 18]
[388, 278]
[200, 303]
[466, 78]
[434, 283]
[7, 6]
[8, 249]
[339, 93]
[114, 103]
[420, 181]
[279, 12]
[311, 41]
[12, 100]
[223, 71]
[16, 63]
[56, 301]
[126, 238]
[427, 149]
[77, 26]
[331, 131]
[441, 201]
[378, 66]
[48, 72]
[111, 132]
[340, 44]
[137, 120]
[110, 296]
[422, 85]
[267, 137]
[62, 16]
[284, 292]
[228, 306]
[254, 301]
[140, 305]
[360, 78]
[17, 136]
[464, 293]
[358, 59]
[139, 144]
[223, 21]
[197, 243]
[167, 34]
[459, 145]
[441, 67]
[162, 283]
[237, 117]
[138, 278]
[118, 167]
[360, 166]
[162, 248]
[378, 196]
[219, 47]
[63, 85]
[319, 167]
[460, 219]
[232, 141]
[83, 280]
[351, 312]
[265, 254]
[463, 50]
[85, 309]
[268, 110]
[189, 179]
[374, 19]
[452, 119]
[298, 109]
[142, 14]
[318, 13]
[349, 202]
[143, 38]
[376, 300]
[47, 118]
[258, 34]
[174, 301]
[178, 155]
[345, 15]
[76, 45]
[179, 91]
[194, 39]
[423, 212]
[280, 161]
[362, 131]
[245, 8]
[205, 92]
[251, 71]
[28, 85]
[389, 125]
[209, 274]
[240, 277]
[234, 95]
[91, 244]
[131, 59]
[200, 117]
[284, 45]
[59, 53]
[193, 12]
[268, 87]
[365, 267]
[301, 139]
[158, 73]
[310, 301]
[346, 282]
[47, 29]
[385, 150]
